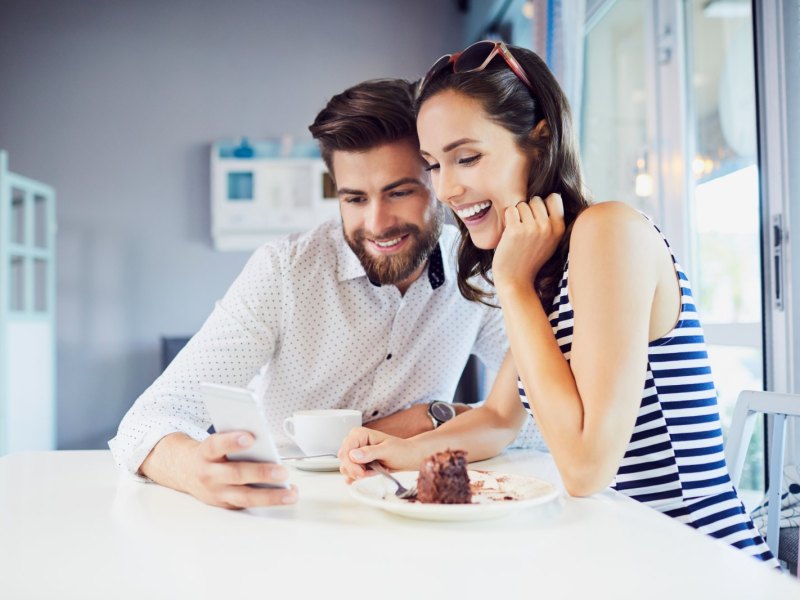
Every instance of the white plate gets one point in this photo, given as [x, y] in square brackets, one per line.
[317, 463]
[493, 495]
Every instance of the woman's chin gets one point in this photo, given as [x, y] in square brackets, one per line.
[484, 242]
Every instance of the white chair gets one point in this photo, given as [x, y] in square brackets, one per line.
[748, 405]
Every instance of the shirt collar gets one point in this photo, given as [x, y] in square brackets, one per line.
[349, 267]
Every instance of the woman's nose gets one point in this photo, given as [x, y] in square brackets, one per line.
[448, 188]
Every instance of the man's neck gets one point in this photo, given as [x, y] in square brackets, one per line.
[402, 286]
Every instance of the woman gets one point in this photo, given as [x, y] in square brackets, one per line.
[607, 353]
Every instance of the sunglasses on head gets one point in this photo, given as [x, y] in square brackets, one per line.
[475, 58]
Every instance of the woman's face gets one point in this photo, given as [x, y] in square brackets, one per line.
[476, 166]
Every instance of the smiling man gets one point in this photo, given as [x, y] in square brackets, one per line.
[365, 314]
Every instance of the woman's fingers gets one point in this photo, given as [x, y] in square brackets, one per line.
[538, 209]
[555, 208]
[525, 213]
[511, 216]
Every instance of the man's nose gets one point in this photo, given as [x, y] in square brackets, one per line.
[379, 217]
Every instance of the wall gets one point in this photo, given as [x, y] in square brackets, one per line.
[115, 103]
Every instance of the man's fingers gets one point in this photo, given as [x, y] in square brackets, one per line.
[243, 473]
[238, 496]
[216, 446]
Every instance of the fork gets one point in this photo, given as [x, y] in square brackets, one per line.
[402, 492]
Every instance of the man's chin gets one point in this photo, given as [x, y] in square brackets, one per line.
[385, 273]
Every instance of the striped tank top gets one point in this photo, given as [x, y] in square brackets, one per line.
[674, 461]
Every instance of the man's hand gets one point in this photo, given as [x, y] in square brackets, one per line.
[410, 422]
[202, 470]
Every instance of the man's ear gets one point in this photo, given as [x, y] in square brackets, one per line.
[540, 131]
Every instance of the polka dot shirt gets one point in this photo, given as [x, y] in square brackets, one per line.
[304, 321]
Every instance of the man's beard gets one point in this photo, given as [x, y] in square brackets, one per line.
[394, 268]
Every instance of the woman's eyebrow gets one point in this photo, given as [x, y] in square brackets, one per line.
[457, 143]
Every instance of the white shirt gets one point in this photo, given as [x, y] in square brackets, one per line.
[305, 315]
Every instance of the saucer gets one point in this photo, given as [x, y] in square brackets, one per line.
[316, 463]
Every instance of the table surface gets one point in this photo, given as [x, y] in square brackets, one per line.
[72, 526]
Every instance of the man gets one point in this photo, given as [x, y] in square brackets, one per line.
[366, 315]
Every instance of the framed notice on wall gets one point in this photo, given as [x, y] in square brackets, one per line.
[259, 190]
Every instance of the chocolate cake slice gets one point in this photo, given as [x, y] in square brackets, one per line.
[443, 479]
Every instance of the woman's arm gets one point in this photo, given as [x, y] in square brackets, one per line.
[483, 432]
[587, 408]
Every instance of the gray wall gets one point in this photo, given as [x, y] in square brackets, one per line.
[115, 105]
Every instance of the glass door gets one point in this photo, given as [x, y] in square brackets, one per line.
[724, 201]
[616, 128]
[669, 126]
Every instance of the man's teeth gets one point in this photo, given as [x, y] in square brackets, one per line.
[389, 243]
[466, 213]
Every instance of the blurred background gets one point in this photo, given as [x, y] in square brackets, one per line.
[116, 116]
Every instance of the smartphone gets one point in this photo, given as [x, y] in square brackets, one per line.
[236, 409]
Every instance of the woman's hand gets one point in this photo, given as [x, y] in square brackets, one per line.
[363, 445]
[532, 233]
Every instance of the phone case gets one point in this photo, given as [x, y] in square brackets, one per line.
[236, 409]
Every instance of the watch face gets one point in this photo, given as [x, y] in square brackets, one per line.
[442, 411]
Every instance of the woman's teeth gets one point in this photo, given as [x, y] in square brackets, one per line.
[389, 243]
[473, 210]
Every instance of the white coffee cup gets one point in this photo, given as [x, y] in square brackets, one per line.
[321, 431]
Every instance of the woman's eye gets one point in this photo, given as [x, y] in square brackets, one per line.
[469, 160]
[432, 167]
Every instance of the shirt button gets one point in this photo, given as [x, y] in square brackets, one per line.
[388, 356]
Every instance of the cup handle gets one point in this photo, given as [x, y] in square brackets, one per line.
[288, 427]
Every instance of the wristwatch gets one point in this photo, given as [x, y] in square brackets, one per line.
[440, 412]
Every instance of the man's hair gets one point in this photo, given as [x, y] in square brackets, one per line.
[365, 116]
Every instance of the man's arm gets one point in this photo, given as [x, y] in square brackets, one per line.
[409, 422]
[235, 341]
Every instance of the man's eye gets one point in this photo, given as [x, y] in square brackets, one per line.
[401, 193]
[432, 167]
[355, 199]
[469, 160]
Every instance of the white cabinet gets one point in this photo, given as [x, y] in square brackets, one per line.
[27, 313]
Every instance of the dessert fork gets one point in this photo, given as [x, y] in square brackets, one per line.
[402, 492]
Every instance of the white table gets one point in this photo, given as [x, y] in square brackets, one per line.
[71, 526]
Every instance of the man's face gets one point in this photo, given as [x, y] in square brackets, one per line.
[391, 218]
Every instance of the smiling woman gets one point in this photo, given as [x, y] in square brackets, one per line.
[573, 280]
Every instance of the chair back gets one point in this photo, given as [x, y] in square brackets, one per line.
[748, 406]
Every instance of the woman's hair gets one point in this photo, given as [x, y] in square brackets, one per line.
[556, 167]
[365, 116]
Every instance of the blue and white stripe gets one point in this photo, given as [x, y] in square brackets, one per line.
[675, 461]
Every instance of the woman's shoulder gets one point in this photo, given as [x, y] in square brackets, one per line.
[610, 213]
[608, 226]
